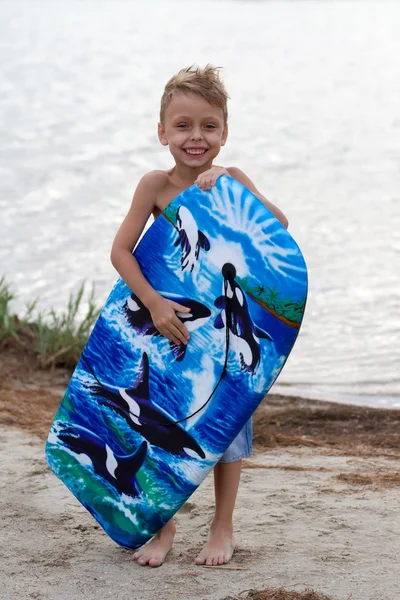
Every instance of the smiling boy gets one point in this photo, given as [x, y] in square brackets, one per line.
[193, 125]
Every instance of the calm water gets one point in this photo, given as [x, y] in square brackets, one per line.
[314, 121]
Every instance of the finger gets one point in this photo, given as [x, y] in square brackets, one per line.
[181, 328]
[177, 334]
[183, 331]
[179, 307]
[203, 181]
[210, 182]
[166, 332]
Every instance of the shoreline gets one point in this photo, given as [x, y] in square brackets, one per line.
[279, 420]
[386, 402]
[54, 341]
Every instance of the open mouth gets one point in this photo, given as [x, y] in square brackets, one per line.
[195, 151]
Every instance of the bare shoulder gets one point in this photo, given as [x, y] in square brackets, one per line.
[155, 180]
[235, 172]
[149, 189]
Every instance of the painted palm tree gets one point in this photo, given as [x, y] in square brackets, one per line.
[273, 296]
[259, 290]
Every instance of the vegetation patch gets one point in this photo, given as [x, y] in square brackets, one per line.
[55, 338]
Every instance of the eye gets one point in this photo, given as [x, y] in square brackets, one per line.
[210, 126]
[182, 125]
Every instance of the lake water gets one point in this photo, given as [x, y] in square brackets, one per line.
[314, 121]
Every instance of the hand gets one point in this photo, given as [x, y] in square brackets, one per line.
[206, 180]
[163, 315]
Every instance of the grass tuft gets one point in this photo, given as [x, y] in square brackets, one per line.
[9, 324]
[56, 338]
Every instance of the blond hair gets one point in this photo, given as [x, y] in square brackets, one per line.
[205, 82]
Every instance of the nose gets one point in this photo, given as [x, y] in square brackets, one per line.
[196, 135]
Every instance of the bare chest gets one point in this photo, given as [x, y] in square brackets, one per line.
[164, 197]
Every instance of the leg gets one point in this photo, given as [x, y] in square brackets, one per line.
[220, 545]
[154, 552]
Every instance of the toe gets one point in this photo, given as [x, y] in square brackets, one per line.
[155, 562]
[227, 557]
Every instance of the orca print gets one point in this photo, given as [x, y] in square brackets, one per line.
[139, 318]
[153, 423]
[235, 314]
[118, 470]
[190, 238]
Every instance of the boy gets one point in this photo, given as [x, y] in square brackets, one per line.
[193, 124]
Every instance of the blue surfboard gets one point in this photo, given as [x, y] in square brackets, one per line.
[143, 421]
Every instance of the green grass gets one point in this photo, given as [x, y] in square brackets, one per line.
[56, 338]
[9, 324]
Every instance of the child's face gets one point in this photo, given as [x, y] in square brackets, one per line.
[194, 130]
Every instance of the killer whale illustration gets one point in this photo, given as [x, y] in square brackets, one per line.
[233, 304]
[119, 470]
[140, 320]
[190, 238]
[154, 424]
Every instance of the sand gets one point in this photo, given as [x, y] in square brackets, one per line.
[315, 510]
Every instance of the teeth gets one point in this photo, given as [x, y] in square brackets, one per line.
[193, 151]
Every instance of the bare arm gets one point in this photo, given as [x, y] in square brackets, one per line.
[162, 311]
[240, 176]
[128, 234]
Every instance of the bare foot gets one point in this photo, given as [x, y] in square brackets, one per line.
[154, 552]
[219, 548]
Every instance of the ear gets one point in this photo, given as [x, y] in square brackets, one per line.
[224, 135]
[162, 136]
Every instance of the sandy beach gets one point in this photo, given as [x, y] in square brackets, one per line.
[317, 508]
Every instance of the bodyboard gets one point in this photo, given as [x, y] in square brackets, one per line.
[143, 421]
